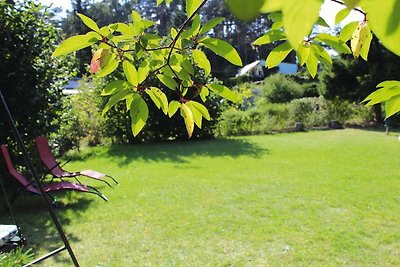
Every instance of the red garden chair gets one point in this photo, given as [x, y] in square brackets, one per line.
[50, 188]
[55, 168]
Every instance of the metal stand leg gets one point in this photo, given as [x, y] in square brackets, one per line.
[40, 186]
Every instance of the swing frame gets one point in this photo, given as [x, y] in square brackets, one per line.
[45, 197]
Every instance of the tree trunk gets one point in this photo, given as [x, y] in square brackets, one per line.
[378, 114]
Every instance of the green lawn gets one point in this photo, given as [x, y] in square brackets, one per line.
[317, 198]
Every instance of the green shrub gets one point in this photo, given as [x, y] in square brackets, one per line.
[255, 120]
[339, 110]
[233, 122]
[30, 79]
[309, 110]
[279, 88]
[81, 119]
[275, 116]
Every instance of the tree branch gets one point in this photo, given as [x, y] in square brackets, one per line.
[355, 8]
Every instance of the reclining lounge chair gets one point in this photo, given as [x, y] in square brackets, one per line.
[51, 188]
[47, 158]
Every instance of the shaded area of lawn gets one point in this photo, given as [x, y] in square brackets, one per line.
[317, 198]
[175, 151]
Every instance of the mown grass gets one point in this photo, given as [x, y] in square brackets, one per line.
[317, 198]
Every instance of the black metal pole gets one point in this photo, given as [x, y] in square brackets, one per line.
[36, 177]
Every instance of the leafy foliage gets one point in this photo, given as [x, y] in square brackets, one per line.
[31, 81]
[279, 88]
[377, 20]
[170, 58]
[81, 119]
[144, 55]
[351, 79]
[17, 257]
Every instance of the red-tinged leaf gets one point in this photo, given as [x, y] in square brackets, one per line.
[100, 58]
[95, 62]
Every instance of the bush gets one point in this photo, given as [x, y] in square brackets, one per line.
[30, 79]
[279, 88]
[81, 119]
[309, 110]
[317, 112]
[253, 120]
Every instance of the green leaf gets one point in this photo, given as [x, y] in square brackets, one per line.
[210, 24]
[367, 43]
[277, 25]
[136, 17]
[299, 18]
[168, 81]
[341, 15]
[148, 23]
[191, 6]
[322, 55]
[159, 98]
[173, 107]
[109, 68]
[138, 25]
[130, 99]
[347, 31]
[201, 108]
[89, 22]
[359, 39]
[223, 91]
[388, 84]
[303, 51]
[204, 92]
[143, 71]
[246, 10]
[384, 20]
[187, 115]
[139, 114]
[202, 61]
[312, 64]
[383, 95]
[194, 29]
[392, 106]
[276, 15]
[322, 22]
[272, 6]
[196, 114]
[187, 66]
[76, 43]
[126, 30]
[130, 73]
[173, 32]
[334, 42]
[223, 49]
[351, 3]
[388, 90]
[114, 99]
[114, 87]
[269, 37]
[278, 54]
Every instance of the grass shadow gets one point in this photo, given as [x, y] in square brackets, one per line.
[180, 151]
[36, 224]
